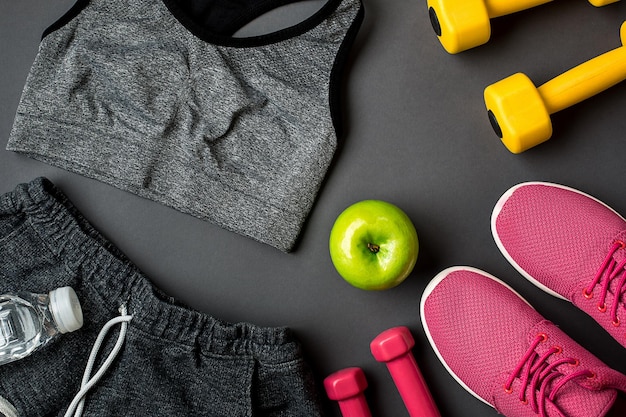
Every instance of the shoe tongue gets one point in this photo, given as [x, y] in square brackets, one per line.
[615, 290]
[578, 397]
[574, 400]
[582, 397]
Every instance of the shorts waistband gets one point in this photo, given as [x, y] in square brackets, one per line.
[118, 281]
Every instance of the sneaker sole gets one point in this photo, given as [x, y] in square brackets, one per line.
[496, 211]
[429, 289]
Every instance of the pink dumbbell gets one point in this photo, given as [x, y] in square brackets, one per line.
[393, 347]
[346, 386]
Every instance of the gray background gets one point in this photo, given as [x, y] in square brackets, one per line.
[418, 136]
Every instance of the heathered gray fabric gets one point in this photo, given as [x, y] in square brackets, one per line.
[236, 132]
[174, 361]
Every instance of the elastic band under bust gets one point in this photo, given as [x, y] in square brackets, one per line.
[117, 281]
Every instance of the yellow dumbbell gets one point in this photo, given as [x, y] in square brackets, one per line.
[464, 24]
[520, 112]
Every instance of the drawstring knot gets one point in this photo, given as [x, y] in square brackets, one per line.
[76, 407]
[543, 378]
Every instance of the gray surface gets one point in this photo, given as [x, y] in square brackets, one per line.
[417, 136]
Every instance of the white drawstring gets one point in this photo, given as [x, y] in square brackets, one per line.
[76, 407]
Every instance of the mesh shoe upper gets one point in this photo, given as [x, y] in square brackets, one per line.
[506, 354]
[569, 244]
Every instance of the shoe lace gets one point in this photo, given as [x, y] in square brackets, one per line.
[540, 380]
[610, 270]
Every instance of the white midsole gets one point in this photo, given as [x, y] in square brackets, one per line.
[429, 288]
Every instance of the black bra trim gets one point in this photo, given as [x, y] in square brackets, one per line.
[337, 72]
[66, 18]
[266, 39]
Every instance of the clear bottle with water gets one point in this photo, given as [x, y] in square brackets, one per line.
[28, 321]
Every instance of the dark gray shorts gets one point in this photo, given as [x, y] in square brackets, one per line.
[174, 361]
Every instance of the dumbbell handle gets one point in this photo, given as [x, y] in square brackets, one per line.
[355, 407]
[585, 80]
[393, 347]
[412, 387]
[497, 8]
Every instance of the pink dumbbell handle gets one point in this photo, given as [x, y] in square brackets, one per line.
[393, 347]
[355, 407]
[412, 387]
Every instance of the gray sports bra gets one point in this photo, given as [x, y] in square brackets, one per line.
[158, 98]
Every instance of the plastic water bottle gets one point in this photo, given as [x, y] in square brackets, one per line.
[28, 321]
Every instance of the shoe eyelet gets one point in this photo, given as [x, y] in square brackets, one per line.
[543, 337]
[508, 390]
[602, 307]
[557, 350]
[524, 401]
[621, 243]
[587, 295]
[592, 375]
[615, 322]
[574, 363]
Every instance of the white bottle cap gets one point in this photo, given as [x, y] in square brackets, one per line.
[66, 309]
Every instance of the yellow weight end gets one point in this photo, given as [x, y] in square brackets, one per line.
[517, 113]
[600, 3]
[460, 24]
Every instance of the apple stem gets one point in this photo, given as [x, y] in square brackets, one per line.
[374, 248]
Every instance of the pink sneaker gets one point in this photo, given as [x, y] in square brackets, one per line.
[507, 355]
[568, 244]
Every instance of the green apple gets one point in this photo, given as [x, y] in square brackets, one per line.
[373, 245]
